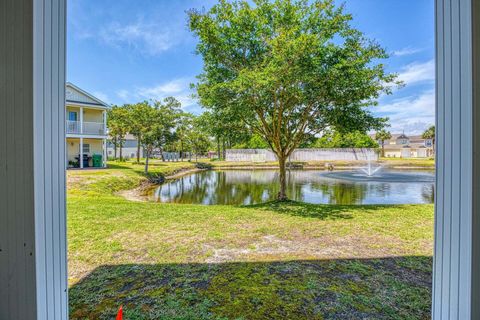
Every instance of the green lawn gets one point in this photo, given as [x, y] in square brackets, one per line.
[271, 261]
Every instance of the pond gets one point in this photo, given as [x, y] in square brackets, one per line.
[245, 187]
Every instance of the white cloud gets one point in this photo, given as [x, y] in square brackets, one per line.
[412, 114]
[418, 72]
[178, 88]
[165, 89]
[100, 95]
[406, 51]
[123, 94]
[149, 38]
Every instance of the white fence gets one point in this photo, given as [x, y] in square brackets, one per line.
[263, 155]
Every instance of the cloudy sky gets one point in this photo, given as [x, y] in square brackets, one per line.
[126, 51]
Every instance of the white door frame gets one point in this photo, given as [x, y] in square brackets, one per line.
[33, 276]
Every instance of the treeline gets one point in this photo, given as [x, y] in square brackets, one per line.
[162, 126]
[159, 126]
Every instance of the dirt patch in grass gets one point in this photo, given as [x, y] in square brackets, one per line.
[272, 261]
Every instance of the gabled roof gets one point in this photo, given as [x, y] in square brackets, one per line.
[76, 95]
[402, 136]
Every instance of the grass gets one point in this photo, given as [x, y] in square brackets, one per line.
[409, 162]
[271, 261]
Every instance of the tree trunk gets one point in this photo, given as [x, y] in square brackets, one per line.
[121, 151]
[218, 149]
[147, 156]
[161, 155]
[115, 146]
[224, 150]
[383, 149]
[181, 150]
[138, 149]
[282, 194]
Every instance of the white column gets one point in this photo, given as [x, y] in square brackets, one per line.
[457, 209]
[104, 153]
[81, 120]
[33, 268]
[81, 153]
[104, 122]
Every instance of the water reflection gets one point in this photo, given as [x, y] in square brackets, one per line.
[257, 186]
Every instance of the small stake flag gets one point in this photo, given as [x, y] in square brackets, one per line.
[120, 313]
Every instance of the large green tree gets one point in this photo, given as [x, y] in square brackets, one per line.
[226, 128]
[288, 69]
[117, 122]
[198, 138]
[183, 125]
[157, 130]
[138, 121]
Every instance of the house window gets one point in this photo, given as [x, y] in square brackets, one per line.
[110, 152]
[86, 148]
[72, 116]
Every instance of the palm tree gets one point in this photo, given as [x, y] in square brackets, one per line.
[381, 136]
[430, 134]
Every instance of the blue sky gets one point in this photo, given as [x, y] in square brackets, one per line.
[127, 51]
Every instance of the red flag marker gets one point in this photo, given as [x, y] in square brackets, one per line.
[120, 313]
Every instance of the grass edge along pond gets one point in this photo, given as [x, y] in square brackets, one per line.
[270, 261]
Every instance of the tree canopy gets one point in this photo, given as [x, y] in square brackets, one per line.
[289, 69]
[355, 139]
[429, 133]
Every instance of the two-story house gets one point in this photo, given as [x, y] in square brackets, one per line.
[403, 146]
[86, 129]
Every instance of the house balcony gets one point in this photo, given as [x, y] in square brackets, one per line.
[86, 128]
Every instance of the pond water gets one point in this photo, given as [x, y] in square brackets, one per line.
[338, 187]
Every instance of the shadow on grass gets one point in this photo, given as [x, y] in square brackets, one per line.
[319, 211]
[384, 288]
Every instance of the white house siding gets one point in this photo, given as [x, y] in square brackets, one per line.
[74, 95]
[456, 276]
[33, 277]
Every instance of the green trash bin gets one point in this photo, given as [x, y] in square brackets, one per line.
[97, 160]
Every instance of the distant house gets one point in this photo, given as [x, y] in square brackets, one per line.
[86, 128]
[129, 149]
[403, 146]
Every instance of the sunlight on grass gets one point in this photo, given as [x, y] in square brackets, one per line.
[290, 260]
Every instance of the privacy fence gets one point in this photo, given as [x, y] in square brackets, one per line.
[263, 155]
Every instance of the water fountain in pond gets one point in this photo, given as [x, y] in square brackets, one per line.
[370, 173]
[369, 170]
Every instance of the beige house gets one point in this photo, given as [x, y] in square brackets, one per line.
[86, 128]
[403, 146]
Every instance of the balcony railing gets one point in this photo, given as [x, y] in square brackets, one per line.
[90, 128]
